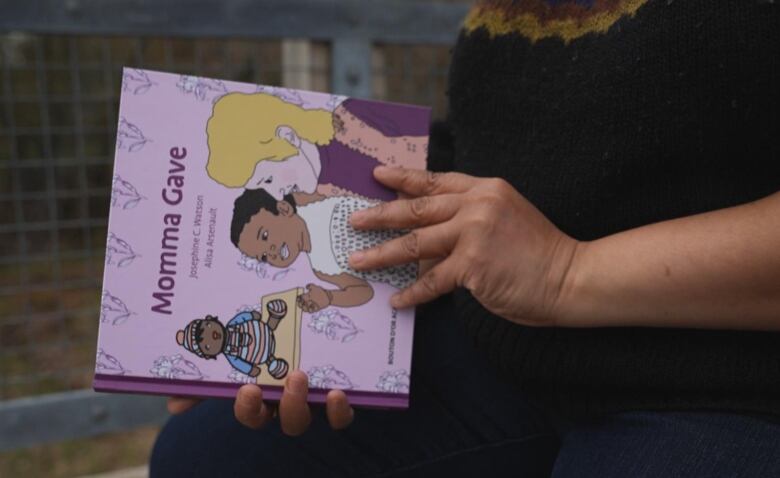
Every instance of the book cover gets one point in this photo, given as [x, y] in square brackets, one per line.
[228, 239]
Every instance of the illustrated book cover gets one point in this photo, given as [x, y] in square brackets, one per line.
[229, 236]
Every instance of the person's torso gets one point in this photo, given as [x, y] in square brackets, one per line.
[670, 111]
[608, 115]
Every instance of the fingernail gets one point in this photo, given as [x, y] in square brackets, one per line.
[246, 401]
[395, 301]
[296, 387]
[379, 170]
[357, 216]
[357, 257]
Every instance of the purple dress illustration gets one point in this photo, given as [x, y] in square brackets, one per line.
[350, 168]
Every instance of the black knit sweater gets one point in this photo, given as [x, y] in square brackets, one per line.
[608, 115]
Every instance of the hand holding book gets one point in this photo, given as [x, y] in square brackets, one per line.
[293, 408]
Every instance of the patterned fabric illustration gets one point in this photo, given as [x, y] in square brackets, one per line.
[136, 81]
[537, 19]
[108, 364]
[329, 377]
[175, 367]
[334, 325]
[118, 252]
[344, 239]
[261, 269]
[396, 381]
[129, 137]
[124, 195]
[201, 88]
[113, 310]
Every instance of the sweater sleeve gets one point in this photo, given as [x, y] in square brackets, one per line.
[240, 319]
[441, 147]
[239, 364]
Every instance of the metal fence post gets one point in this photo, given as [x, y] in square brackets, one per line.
[67, 415]
[351, 67]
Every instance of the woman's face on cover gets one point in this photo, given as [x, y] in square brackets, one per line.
[297, 173]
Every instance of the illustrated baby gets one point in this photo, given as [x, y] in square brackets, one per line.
[246, 341]
[277, 231]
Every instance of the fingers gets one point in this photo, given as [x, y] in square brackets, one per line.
[294, 411]
[426, 265]
[337, 409]
[305, 302]
[423, 183]
[440, 280]
[426, 243]
[406, 213]
[249, 407]
[177, 405]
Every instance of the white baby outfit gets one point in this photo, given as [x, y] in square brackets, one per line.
[329, 218]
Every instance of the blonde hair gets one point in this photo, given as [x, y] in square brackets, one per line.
[242, 132]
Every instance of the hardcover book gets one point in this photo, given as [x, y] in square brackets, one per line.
[229, 237]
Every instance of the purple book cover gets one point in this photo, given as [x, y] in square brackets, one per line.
[228, 240]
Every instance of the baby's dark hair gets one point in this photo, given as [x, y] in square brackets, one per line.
[249, 203]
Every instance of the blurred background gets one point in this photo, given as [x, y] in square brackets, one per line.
[60, 79]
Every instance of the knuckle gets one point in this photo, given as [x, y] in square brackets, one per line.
[407, 177]
[473, 283]
[429, 283]
[491, 198]
[411, 244]
[479, 221]
[419, 206]
[380, 210]
[432, 181]
[377, 252]
[498, 185]
[474, 256]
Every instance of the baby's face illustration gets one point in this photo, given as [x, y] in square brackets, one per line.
[275, 239]
[297, 173]
[212, 338]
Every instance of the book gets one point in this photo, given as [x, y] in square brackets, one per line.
[228, 240]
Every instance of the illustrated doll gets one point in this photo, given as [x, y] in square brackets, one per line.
[260, 141]
[276, 232]
[246, 341]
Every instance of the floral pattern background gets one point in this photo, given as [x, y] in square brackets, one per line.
[119, 252]
[129, 137]
[176, 367]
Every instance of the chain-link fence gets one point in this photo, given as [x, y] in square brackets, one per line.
[58, 114]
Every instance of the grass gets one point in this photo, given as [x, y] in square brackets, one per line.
[81, 457]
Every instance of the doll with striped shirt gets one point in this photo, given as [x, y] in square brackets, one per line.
[246, 341]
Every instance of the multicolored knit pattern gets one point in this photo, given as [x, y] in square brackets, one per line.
[251, 341]
[538, 19]
[191, 339]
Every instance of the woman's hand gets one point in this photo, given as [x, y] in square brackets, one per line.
[486, 236]
[293, 410]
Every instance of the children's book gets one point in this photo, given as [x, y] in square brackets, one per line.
[229, 238]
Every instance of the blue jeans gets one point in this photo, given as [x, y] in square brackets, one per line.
[464, 420]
